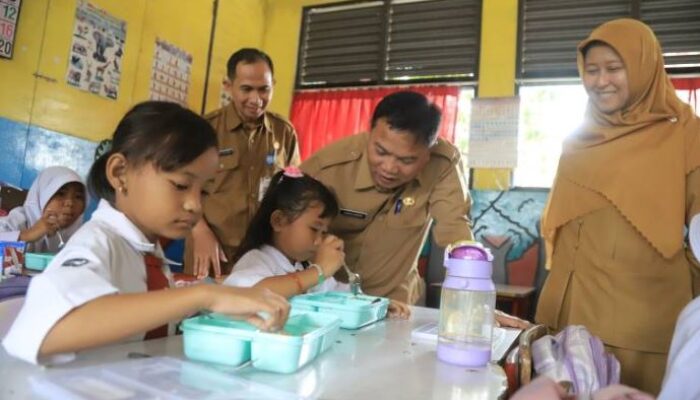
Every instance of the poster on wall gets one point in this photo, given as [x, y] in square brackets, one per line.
[170, 78]
[493, 133]
[96, 53]
[9, 14]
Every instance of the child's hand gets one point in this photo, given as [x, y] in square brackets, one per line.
[542, 388]
[510, 321]
[620, 392]
[260, 307]
[330, 255]
[399, 309]
[47, 225]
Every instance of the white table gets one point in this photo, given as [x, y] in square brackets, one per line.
[378, 361]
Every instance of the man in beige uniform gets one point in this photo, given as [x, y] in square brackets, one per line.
[390, 184]
[253, 145]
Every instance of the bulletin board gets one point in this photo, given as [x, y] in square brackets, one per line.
[493, 133]
[9, 15]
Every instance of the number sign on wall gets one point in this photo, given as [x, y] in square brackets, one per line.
[9, 14]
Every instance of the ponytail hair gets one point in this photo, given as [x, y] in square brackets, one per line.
[163, 133]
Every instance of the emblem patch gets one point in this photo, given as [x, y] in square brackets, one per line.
[75, 262]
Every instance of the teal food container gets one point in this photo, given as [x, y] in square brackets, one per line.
[354, 311]
[218, 339]
[37, 261]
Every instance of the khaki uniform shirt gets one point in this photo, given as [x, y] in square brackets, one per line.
[607, 277]
[247, 160]
[383, 240]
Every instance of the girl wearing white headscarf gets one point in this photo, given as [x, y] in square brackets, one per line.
[52, 211]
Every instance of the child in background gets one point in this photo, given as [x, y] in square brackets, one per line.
[289, 229]
[103, 286]
[51, 214]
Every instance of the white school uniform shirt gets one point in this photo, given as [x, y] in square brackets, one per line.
[46, 184]
[105, 256]
[267, 261]
[681, 379]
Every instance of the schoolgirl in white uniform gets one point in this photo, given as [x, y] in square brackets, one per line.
[102, 287]
[289, 228]
[286, 247]
[51, 213]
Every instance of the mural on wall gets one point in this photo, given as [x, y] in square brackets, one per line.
[9, 14]
[508, 223]
[96, 52]
[170, 78]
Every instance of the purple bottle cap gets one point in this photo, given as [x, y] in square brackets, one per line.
[468, 250]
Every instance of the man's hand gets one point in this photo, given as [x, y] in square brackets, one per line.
[207, 251]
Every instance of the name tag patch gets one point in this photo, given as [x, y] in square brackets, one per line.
[353, 214]
[225, 152]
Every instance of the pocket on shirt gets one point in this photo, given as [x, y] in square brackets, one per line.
[227, 164]
[408, 217]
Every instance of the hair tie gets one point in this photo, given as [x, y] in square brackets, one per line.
[293, 172]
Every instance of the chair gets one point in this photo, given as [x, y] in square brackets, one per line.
[518, 365]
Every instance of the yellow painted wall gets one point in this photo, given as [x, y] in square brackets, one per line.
[16, 80]
[43, 46]
[497, 64]
[67, 109]
[273, 25]
[186, 25]
[240, 23]
[281, 42]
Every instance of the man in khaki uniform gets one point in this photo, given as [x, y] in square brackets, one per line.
[390, 184]
[253, 145]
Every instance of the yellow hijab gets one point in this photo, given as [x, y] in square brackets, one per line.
[637, 158]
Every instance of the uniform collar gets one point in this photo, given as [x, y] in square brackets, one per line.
[233, 120]
[281, 259]
[122, 226]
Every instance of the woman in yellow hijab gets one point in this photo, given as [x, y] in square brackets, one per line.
[627, 184]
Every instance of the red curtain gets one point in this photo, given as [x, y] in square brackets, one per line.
[324, 116]
[692, 86]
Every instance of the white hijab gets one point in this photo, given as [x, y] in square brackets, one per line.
[49, 181]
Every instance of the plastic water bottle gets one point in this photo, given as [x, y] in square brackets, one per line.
[467, 306]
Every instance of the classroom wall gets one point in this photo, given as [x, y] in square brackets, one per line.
[46, 109]
[497, 64]
[47, 122]
[240, 23]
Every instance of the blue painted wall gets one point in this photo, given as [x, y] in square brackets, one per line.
[13, 136]
[28, 149]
